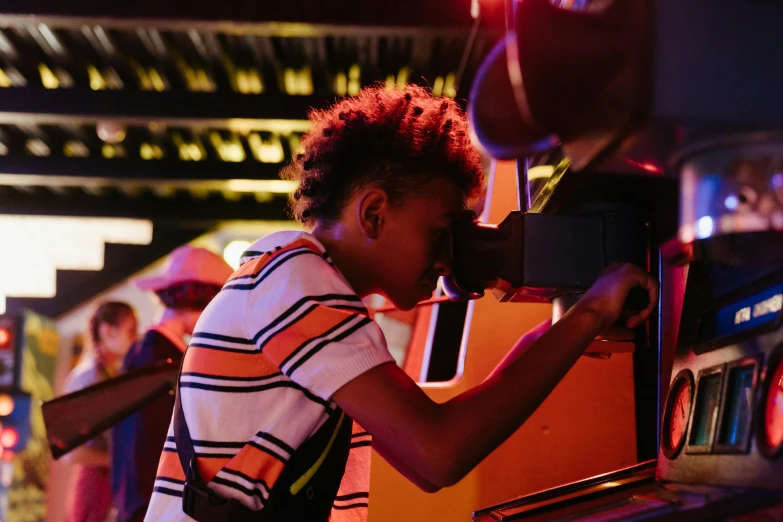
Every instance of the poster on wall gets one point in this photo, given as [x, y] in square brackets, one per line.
[28, 469]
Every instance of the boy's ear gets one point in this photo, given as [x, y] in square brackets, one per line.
[371, 210]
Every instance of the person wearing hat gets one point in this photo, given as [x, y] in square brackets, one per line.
[192, 277]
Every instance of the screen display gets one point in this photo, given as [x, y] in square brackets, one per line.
[762, 308]
[706, 412]
[738, 408]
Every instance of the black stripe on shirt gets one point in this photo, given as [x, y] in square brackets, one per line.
[251, 389]
[349, 298]
[312, 340]
[351, 496]
[255, 274]
[274, 440]
[227, 378]
[268, 451]
[252, 480]
[173, 481]
[220, 348]
[167, 491]
[212, 443]
[365, 321]
[269, 270]
[218, 337]
[361, 444]
[239, 487]
[351, 506]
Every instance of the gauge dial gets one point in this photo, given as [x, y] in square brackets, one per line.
[773, 410]
[677, 414]
[678, 420]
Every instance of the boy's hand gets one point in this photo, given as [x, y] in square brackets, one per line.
[608, 294]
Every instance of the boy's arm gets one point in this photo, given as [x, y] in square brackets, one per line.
[443, 442]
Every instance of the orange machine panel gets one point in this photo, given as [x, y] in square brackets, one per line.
[585, 427]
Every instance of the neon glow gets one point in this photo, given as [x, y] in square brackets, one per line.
[704, 227]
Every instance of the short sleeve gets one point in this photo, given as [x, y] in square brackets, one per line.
[309, 322]
[83, 375]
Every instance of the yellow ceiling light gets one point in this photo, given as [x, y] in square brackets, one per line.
[76, 149]
[402, 77]
[354, 80]
[437, 86]
[156, 80]
[229, 150]
[449, 88]
[289, 81]
[340, 84]
[243, 82]
[298, 82]
[233, 251]
[150, 151]
[256, 83]
[97, 82]
[5, 81]
[266, 151]
[272, 186]
[48, 78]
[305, 81]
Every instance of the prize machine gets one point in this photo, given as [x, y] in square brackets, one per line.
[641, 97]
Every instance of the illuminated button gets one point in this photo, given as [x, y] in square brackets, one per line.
[6, 404]
[9, 437]
[5, 337]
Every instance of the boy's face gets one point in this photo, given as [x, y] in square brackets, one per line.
[413, 249]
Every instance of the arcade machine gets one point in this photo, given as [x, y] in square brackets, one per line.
[638, 93]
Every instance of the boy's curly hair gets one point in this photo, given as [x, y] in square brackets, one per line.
[398, 140]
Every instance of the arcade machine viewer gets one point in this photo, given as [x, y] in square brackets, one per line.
[692, 85]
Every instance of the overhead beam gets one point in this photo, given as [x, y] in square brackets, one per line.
[289, 18]
[270, 111]
[180, 208]
[134, 172]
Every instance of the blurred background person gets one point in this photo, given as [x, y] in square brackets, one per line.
[113, 330]
[191, 278]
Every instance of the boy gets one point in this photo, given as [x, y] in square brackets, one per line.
[285, 355]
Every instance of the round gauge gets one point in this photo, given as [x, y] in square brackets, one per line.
[677, 414]
[771, 428]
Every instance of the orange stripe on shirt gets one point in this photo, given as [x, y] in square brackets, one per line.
[317, 322]
[227, 364]
[257, 464]
[255, 265]
[170, 467]
[208, 467]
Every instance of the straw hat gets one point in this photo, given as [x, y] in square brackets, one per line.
[188, 264]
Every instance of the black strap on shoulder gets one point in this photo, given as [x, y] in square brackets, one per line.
[199, 501]
[320, 461]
